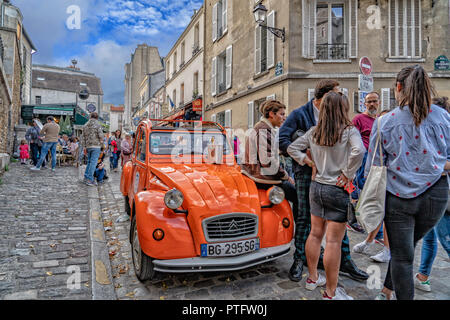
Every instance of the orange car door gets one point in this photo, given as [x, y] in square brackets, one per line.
[140, 163]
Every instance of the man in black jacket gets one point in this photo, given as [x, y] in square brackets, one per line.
[299, 121]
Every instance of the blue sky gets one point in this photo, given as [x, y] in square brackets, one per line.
[109, 32]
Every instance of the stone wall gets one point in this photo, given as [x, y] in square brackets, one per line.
[5, 104]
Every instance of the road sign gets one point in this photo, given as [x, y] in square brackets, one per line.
[365, 83]
[441, 63]
[365, 65]
[279, 69]
[91, 108]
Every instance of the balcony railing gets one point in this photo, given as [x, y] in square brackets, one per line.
[195, 49]
[331, 51]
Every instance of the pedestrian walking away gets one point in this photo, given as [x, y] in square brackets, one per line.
[50, 132]
[92, 140]
[337, 152]
[298, 122]
[415, 143]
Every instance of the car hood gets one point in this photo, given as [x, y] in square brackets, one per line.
[210, 189]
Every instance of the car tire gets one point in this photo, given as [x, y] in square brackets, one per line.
[127, 206]
[143, 265]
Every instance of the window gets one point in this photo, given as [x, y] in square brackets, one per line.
[221, 77]
[168, 70]
[405, 39]
[196, 46]
[254, 115]
[174, 97]
[195, 92]
[329, 29]
[181, 94]
[219, 19]
[175, 59]
[142, 147]
[38, 100]
[265, 46]
[40, 79]
[220, 118]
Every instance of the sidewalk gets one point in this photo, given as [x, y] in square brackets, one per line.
[266, 281]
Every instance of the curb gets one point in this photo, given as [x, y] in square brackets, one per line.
[101, 276]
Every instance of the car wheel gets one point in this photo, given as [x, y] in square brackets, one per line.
[143, 265]
[127, 206]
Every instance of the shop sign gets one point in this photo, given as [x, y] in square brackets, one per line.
[197, 105]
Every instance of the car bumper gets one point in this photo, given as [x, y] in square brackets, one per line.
[203, 264]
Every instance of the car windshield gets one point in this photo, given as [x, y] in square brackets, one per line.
[198, 142]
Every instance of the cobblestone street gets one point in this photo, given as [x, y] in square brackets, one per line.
[45, 228]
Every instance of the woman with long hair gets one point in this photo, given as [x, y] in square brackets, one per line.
[415, 142]
[337, 152]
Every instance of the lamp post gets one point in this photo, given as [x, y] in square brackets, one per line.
[260, 13]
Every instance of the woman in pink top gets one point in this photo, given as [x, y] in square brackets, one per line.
[127, 148]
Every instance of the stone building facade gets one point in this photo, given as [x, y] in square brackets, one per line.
[184, 67]
[144, 60]
[5, 107]
[16, 51]
[245, 64]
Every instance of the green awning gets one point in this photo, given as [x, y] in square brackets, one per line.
[55, 111]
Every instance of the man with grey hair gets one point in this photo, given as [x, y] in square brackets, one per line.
[92, 140]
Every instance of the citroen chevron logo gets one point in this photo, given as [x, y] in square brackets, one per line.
[233, 225]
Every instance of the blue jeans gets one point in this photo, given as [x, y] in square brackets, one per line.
[99, 174]
[430, 247]
[45, 148]
[407, 221]
[115, 160]
[92, 155]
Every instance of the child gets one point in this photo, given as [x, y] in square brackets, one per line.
[24, 152]
[100, 171]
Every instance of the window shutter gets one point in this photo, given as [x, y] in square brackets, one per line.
[309, 28]
[213, 117]
[271, 97]
[270, 41]
[228, 118]
[214, 77]
[353, 29]
[257, 50]
[214, 23]
[417, 29]
[224, 15]
[401, 23]
[311, 94]
[229, 66]
[250, 114]
[385, 98]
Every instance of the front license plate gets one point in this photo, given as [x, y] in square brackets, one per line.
[232, 248]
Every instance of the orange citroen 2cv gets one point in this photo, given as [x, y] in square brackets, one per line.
[191, 208]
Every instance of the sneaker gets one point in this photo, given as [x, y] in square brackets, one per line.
[53, 169]
[422, 285]
[382, 256]
[35, 169]
[339, 294]
[363, 247]
[91, 183]
[311, 285]
[382, 296]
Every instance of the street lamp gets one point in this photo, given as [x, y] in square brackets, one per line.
[260, 13]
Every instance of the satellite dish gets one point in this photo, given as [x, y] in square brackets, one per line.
[83, 94]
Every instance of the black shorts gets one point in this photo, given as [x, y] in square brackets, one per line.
[328, 202]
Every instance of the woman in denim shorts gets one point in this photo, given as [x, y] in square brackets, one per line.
[337, 152]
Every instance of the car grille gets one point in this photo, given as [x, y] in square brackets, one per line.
[230, 227]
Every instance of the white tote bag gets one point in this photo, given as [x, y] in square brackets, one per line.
[370, 208]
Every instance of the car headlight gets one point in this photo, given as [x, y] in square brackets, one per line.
[276, 195]
[173, 199]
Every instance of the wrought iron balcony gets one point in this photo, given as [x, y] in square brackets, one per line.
[332, 51]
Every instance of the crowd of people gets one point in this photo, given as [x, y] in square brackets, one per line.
[331, 158]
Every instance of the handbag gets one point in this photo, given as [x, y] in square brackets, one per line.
[369, 210]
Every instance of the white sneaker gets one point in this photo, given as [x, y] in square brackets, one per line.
[363, 247]
[382, 296]
[382, 256]
[35, 169]
[311, 285]
[339, 294]
[422, 285]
